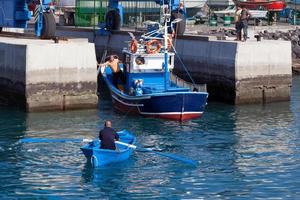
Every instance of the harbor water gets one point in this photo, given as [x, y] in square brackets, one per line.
[243, 152]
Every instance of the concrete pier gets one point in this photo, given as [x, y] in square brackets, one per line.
[235, 72]
[43, 75]
[239, 72]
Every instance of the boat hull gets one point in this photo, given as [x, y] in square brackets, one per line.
[276, 5]
[173, 105]
[101, 157]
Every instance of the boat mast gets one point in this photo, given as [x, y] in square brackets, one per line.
[166, 55]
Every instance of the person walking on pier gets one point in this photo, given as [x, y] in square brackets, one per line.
[237, 21]
[108, 136]
[245, 15]
[113, 62]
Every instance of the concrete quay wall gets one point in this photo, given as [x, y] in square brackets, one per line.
[42, 75]
[235, 72]
[240, 72]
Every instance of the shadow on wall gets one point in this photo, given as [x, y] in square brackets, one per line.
[12, 75]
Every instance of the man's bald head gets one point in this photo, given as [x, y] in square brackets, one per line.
[107, 123]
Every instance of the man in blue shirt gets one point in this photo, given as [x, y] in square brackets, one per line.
[108, 136]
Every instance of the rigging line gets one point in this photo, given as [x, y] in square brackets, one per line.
[194, 84]
[127, 113]
[105, 49]
[149, 35]
[103, 55]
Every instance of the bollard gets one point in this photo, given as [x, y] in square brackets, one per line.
[56, 40]
[213, 21]
[258, 38]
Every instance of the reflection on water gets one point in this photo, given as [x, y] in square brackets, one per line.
[248, 152]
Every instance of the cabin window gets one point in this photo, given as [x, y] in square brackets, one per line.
[140, 60]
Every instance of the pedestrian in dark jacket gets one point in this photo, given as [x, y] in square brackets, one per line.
[237, 21]
[108, 136]
[245, 15]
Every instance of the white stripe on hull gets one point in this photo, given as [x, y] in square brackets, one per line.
[170, 113]
[127, 104]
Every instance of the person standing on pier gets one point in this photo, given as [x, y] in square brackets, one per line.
[245, 15]
[113, 62]
[108, 136]
[237, 20]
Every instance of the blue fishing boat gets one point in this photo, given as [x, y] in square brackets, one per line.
[149, 89]
[100, 157]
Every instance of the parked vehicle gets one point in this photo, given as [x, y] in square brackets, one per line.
[16, 14]
[200, 17]
[269, 5]
[66, 10]
[230, 11]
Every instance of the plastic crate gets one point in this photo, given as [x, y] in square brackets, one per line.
[89, 12]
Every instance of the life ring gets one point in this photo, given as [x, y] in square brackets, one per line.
[151, 44]
[133, 46]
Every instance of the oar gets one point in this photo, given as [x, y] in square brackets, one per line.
[53, 140]
[65, 140]
[167, 155]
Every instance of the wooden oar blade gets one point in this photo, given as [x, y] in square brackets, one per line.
[50, 140]
[171, 156]
[175, 157]
[167, 155]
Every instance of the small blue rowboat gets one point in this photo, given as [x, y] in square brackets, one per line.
[100, 157]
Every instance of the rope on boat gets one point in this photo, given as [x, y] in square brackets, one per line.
[185, 68]
[94, 160]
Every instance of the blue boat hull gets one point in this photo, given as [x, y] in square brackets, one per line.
[175, 106]
[101, 157]
[172, 102]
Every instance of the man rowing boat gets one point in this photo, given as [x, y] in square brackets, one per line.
[108, 136]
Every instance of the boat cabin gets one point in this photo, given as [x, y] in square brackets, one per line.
[145, 71]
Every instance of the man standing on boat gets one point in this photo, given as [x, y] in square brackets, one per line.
[113, 62]
[108, 136]
[245, 15]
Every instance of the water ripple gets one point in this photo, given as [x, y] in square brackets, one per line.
[244, 152]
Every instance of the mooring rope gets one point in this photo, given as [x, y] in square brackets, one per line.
[185, 68]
